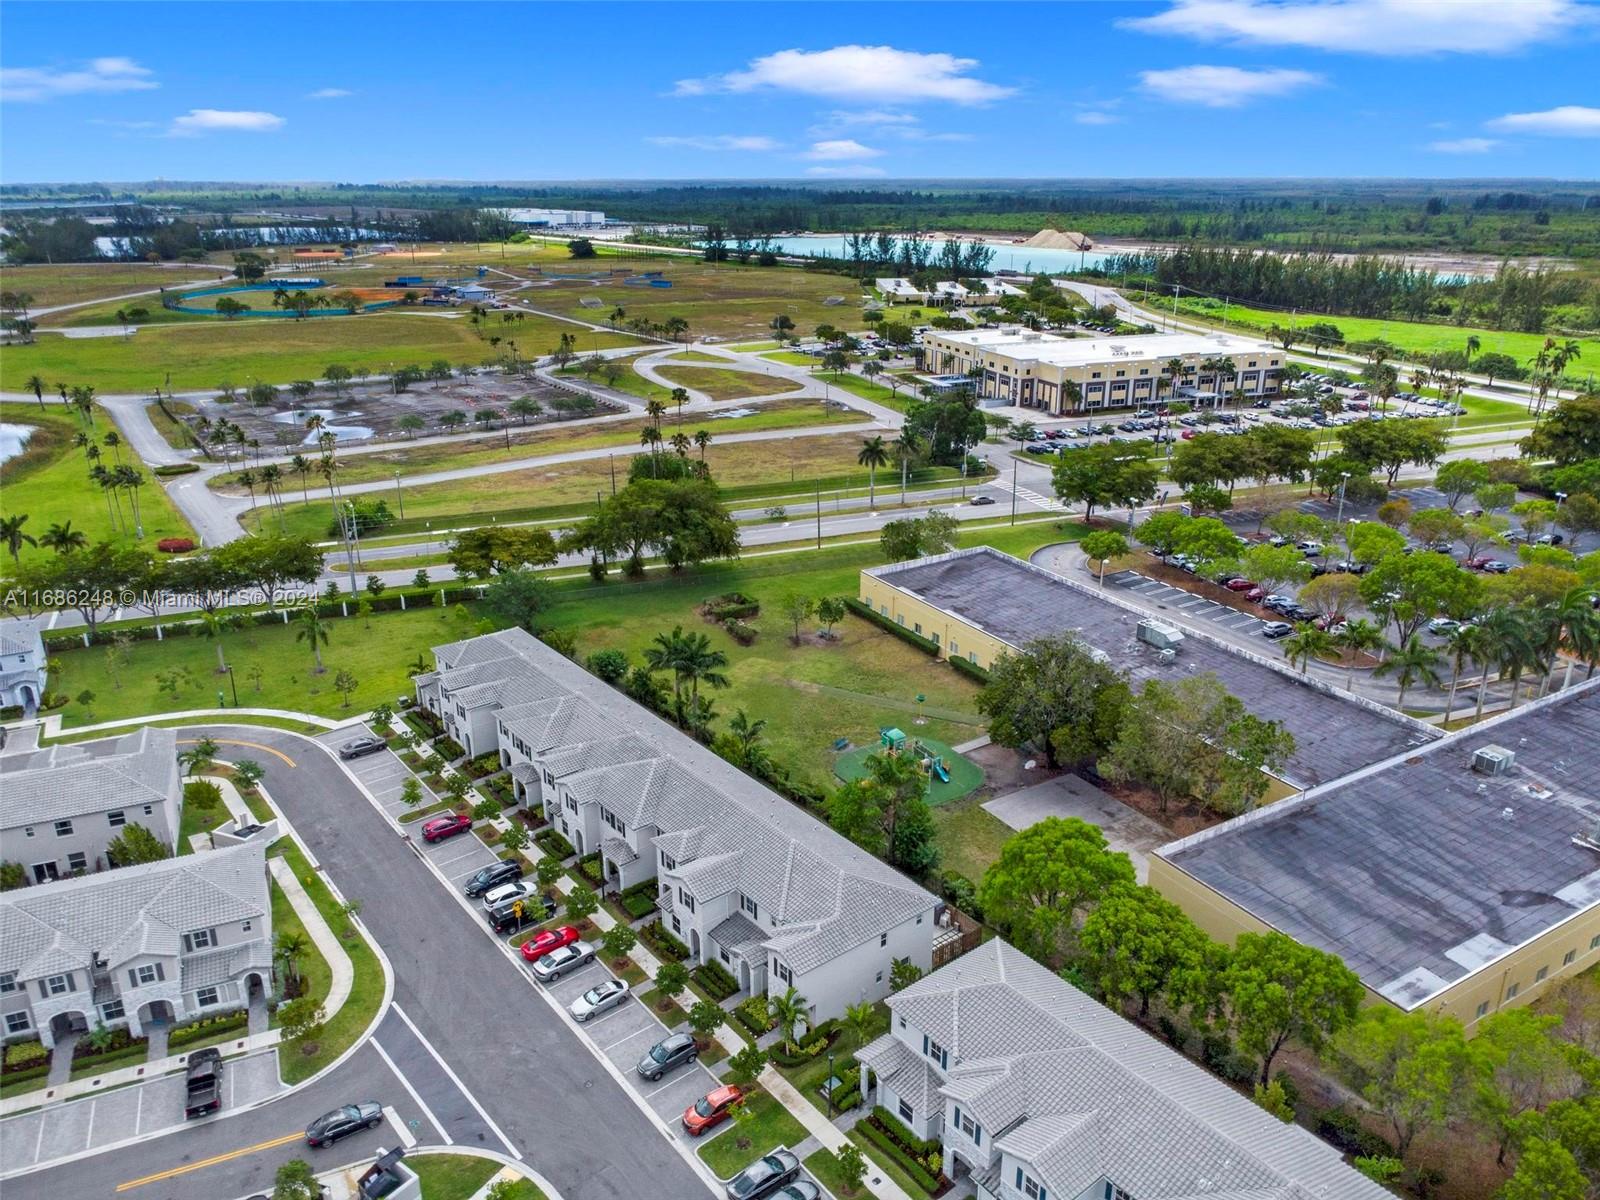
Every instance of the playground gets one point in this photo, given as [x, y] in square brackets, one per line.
[950, 775]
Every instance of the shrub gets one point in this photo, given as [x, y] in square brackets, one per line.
[202, 794]
[639, 901]
[609, 665]
[171, 469]
[886, 1142]
[553, 844]
[449, 749]
[656, 936]
[1345, 1131]
[900, 631]
[175, 545]
[590, 868]
[26, 1054]
[753, 1016]
[970, 669]
[715, 980]
[741, 631]
[731, 606]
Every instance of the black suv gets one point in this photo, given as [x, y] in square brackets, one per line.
[492, 876]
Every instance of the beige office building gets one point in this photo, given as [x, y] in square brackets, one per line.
[1028, 370]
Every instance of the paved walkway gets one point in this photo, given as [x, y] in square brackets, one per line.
[328, 945]
[52, 723]
[1068, 795]
[831, 1137]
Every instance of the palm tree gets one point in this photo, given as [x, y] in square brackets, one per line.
[36, 385]
[113, 440]
[746, 734]
[199, 758]
[861, 1020]
[1411, 663]
[617, 314]
[873, 454]
[1582, 641]
[1306, 643]
[905, 449]
[700, 663]
[702, 438]
[63, 538]
[1464, 642]
[248, 478]
[665, 654]
[651, 436]
[212, 627]
[1573, 608]
[83, 401]
[1474, 344]
[108, 487]
[788, 1010]
[287, 947]
[314, 630]
[1358, 637]
[681, 443]
[131, 480]
[12, 535]
[271, 479]
[655, 410]
[680, 397]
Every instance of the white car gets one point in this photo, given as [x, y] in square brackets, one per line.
[505, 893]
[601, 998]
[562, 959]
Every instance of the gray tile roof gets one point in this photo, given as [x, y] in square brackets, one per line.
[619, 851]
[1419, 871]
[1335, 733]
[20, 635]
[827, 894]
[119, 914]
[739, 935]
[1099, 1097]
[906, 1071]
[74, 780]
[546, 724]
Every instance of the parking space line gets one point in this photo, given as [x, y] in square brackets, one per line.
[456, 1079]
[657, 1091]
[88, 1137]
[629, 1038]
[400, 1128]
[412, 1092]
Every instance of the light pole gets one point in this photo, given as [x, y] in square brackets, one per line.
[1013, 491]
[234, 683]
[399, 496]
[1344, 478]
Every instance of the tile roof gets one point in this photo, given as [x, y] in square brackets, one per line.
[20, 635]
[1084, 1093]
[903, 1068]
[73, 780]
[59, 926]
[1419, 871]
[739, 935]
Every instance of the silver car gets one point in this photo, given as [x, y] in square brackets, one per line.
[562, 959]
[598, 999]
[517, 889]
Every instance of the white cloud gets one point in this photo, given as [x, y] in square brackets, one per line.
[1093, 116]
[883, 123]
[1570, 120]
[1224, 87]
[217, 120]
[719, 141]
[1466, 145]
[861, 72]
[97, 76]
[329, 94]
[845, 172]
[113, 123]
[841, 149]
[871, 116]
[1390, 28]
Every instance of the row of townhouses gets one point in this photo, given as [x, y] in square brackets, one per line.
[744, 878]
[162, 942]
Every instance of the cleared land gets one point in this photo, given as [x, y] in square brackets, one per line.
[49, 482]
[728, 384]
[69, 283]
[205, 353]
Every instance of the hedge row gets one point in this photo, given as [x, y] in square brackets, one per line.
[639, 900]
[813, 1044]
[753, 1017]
[553, 844]
[590, 867]
[970, 669]
[207, 1027]
[867, 612]
[655, 936]
[171, 469]
[716, 980]
[918, 1174]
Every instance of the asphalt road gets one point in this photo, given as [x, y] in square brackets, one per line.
[466, 1002]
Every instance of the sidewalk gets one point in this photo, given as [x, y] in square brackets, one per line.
[323, 937]
[50, 726]
[824, 1130]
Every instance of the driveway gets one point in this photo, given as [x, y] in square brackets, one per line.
[1126, 829]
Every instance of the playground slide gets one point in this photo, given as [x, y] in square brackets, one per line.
[939, 770]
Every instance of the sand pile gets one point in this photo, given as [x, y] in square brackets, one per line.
[1056, 239]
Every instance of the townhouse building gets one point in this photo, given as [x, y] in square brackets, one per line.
[165, 941]
[62, 806]
[1038, 1092]
[23, 670]
[743, 877]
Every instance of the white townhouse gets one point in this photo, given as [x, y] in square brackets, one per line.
[1039, 1092]
[164, 941]
[61, 807]
[743, 877]
[23, 670]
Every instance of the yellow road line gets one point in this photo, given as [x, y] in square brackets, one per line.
[251, 745]
[209, 1162]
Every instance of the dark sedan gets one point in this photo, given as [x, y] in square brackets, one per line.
[494, 876]
[666, 1054]
[342, 1122]
[764, 1176]
[356, 747]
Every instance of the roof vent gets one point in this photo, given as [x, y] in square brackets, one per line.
[1493, 760]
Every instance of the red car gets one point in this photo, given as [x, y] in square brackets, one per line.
[711, 1109]
[440, 828]
[1256, 594]
[1476, 563]
[542, 943]
[1187, 435]
[1240, 585]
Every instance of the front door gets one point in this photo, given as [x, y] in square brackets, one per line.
[44, 872]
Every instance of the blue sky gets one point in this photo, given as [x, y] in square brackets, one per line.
[374, 91]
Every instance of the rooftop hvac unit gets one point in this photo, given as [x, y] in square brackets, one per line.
[1493, 760]
[1167, 657]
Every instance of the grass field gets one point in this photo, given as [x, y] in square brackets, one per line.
[629, 381]
[205, 353]
[70, 283]
[899, 400]
[728, 385]
[49, 481]
[697, 356]
[1418, 336]
[770, 1126]
[969, 837]
[452, 1176]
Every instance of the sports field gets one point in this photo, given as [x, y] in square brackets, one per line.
[69, 283]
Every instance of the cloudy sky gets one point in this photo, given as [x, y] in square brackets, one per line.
[374, 91]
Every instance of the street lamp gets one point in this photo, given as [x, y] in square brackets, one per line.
[830, 1086]
[1344, 477]
[399, 496]
[234, 683]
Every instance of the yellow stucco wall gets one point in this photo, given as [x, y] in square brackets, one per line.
[956, 637]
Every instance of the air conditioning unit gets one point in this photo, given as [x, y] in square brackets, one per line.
[1493, 760]
[1167, 657]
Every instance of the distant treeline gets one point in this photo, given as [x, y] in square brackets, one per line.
[1514, 298]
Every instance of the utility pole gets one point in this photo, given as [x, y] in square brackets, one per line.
[349, 552]
[399, 496]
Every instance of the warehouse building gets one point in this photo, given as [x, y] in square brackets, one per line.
[1460, 878]
[554, 218]
[1027, 369]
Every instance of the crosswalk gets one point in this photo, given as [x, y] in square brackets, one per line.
[1028, 496]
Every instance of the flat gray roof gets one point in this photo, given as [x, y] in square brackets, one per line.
[1421, 871]
[1017, 602]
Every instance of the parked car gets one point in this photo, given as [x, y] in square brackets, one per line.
[1477, 562]
[1240, 584]
[505, 893]
[1256, 593]
[1443, 626]
[603, 997]
[547, 941]
[1350, 566]
[508, 915]
[1549, 539]
[1276, 629]
[1277, 602]
[552, 966]
[490, 878]
[1495, 567]
[800, 1189]
[203, 1084]
[711, 1109]
[366, 744]
[666, 1054]
[448, 826]
[764, 1176]
[342, 1122]
[1309, 546]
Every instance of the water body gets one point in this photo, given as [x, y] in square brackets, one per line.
[342, 433]
[245, 236]
[13, 438]
[1027, 259]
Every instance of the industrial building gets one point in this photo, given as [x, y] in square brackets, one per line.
[1460, 878]
[554, 218]
[1016, 366]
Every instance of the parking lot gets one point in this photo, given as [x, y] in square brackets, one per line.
[139, 1111]
[1163, 595]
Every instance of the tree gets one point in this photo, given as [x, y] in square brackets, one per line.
[1546, 1170]
[1411, 589]
[1460, 479]
[830, 611]
[518, 597]
[1525, 1068]
[618, 941]
[1413, 662]
[1306, 643]
[345, 684]
[1579, 514]
[744, 1066]
[1162, 739]
[581, 248]
[788, 1011]
[1436, 526]
[1273, 567]
[1044, 877]
[198, 758]
[1101, 547]
[796, 608]
[704, 1018]
[295, 1180]
[671, 977]
[852, 1167]
[13, 535]
[873, 454]
[287, 947]
[1135, 940]
[301, 1020]
[1412, 1068]
[581, 904]
[63, 538]
[1333, 596]
[1107, 475]
[411, 793]
[886, 812]
[480, 553]
[247, 773]
[1051, 684]
[1569, 434]
[1278, 989]
[313, 630]
[136, 844]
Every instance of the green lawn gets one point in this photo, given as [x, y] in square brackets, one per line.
[825, 1167]
[698, 356]
[886, 1164]
[366, 992]
[377, 654]
[869, 389]
[737, 1146]
[964, 775]
[793, 357]
[49, 481]
[72, 283]
[629, 381]
[728, 384]
[453, 1176]
[814, 1073]
[205, 353]
[969, 838]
